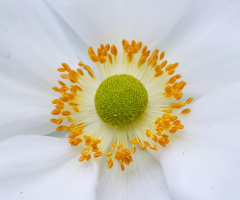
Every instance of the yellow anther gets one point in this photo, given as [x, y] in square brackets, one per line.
[96, 141]
[98, 154]
[175, 65]
[168, 89]
[147, 53]
[126, 151]
[93, 57]
[61, 69]
[104, 52]
[85, 151]
[159, 73]
[75, 141]
[56, 112]
[66, 66]
[161, 142]
[75, 108]
[62, 83]
[148, 133]
[178, 105]
[172, 118]
[159, 128]
[120, 146]
[60, 128]
[59, 121]
[113, 50]
[101, 59]
[80, 72]
[89, 70]
[178, 95]
[55, 101]
[158, 120]
[163, 64]
[154, 138]
[107, 47]
[144, 49]
[180, 126]
[162, 55]
[154, 147]
[101, 46]
[110, 58]
[135, 141]
[73, 76]
[60, 105]
[185, 111]
[72, 135]
[166, 116]
[109, 154]
[169, 67]
[65, 113]
[110, 163]
[178, 76]
[65, 76]
[134, 149]
[95, 149]
[146, 143]
[181, 85]
[70, 128]
[139, 46]
[90, 51]
[88, 157]
[166, 125]
[82, 158]
[142, 60]
[133, 45]
[86, 137]
[80, 63]
[56, 89]
[172, 80]
[189, 100]
[175, 86]
[122, 167]
[53, 120]
[177, 122]
[172, 71]
[64, 99]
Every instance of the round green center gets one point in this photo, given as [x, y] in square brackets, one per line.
[120, 100]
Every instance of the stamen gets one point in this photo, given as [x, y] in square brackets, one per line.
[149, 73]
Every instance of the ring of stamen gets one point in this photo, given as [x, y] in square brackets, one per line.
[154, 108]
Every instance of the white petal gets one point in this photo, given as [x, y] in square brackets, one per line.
[111, 21]
[41, 167]
[202, 162]
[141, 180]
[34, 42]
[206, 44]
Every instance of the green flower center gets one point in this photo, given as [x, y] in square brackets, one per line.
[120, 100]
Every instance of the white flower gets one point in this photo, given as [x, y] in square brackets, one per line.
[200, 162]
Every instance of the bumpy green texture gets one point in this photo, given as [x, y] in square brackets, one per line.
[120, 100]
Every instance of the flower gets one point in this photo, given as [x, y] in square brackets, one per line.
[201, 162]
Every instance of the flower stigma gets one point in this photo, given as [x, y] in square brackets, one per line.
[120, 100]
[133, 104]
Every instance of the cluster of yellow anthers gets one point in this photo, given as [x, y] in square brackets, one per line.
[67, 105]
